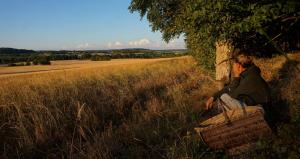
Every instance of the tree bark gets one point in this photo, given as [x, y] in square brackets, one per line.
[223, 64]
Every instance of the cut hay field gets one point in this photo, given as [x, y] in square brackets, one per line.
[65, 65]
[127, 109]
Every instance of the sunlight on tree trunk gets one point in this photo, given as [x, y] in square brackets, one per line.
[223, 66]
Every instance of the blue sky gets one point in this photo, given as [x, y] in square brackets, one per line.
[76, 24]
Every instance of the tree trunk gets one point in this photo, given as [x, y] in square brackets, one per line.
[223, 64]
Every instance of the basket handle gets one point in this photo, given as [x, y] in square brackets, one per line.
[227, 119]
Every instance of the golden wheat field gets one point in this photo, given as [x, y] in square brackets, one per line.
[95, 111]
[66, 65]
[117, 109]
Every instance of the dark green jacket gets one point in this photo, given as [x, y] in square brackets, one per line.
[250, 88]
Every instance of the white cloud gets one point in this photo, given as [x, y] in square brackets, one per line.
[117, 43]
[148, 44]
[174, 44]
[85, 46]
[143, 43]
[140, 43]
[109, 45]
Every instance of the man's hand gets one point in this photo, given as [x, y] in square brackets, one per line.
[209, 103]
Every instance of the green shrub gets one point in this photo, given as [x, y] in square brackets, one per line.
[42, 60]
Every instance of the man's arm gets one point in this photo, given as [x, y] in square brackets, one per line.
[229, 88]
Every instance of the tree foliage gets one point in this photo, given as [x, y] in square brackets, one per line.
[257, 26]
[42, 60]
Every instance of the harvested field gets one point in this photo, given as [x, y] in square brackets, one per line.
[66, 65]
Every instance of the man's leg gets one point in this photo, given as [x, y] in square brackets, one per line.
[231, 103]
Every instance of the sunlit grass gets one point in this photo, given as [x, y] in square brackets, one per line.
[133, 110]
[67, 65]
[98, 111]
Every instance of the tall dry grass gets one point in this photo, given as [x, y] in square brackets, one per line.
[135, 111]
[144, 110]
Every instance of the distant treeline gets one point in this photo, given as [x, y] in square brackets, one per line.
[8, 51]
[27, 57]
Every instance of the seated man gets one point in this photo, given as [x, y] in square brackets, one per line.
[247, 88]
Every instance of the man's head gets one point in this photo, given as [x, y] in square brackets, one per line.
[242, 61]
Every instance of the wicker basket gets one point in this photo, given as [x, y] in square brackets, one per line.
[234, 128]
